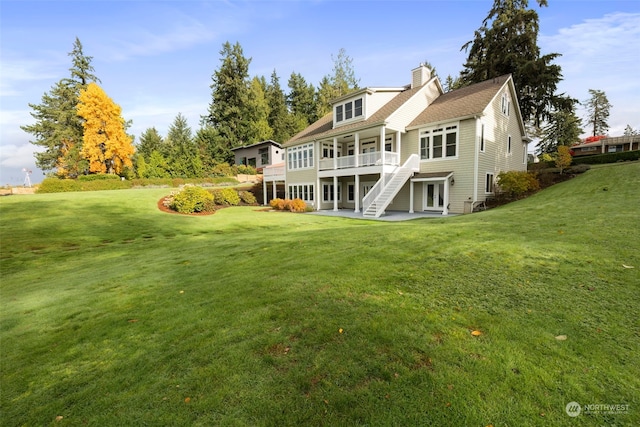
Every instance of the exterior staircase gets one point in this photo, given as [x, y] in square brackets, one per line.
[379, 197]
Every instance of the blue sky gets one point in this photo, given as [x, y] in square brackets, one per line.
[156, 58]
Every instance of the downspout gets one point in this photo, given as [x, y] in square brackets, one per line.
[475, 162]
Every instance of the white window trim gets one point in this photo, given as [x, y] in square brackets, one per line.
[493, 182]
[293, 194]
[353, 118]
[505, 105]
[330, 184]
[292, 157]
[444, 128]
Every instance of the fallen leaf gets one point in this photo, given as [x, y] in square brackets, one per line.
[187, 399]
[628, 266]
[59, 418]
[182, 292]
[340, 330]
[476, 333]
[561, 337]
[448, 404]
[286, 350]
[396, 374]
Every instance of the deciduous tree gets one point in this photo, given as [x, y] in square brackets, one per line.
[105, 143]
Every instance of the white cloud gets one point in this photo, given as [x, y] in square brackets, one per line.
[602, 54]
[17, 156]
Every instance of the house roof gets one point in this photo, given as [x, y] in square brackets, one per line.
[268, 141]
[323, 128]
[464, 102]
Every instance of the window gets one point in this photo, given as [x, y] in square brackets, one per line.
[439, 143]
[357, 107]
[301, 191]
[327, 192]
[505, 104]
[524, 156]
[328, 152]
[349, 110]
[488, 186]
[300, 157]
[509, 144]
[264, 156]
[482, 138]
[351, 192]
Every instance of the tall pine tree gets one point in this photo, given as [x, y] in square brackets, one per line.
[301, 102]
[598, 107]
[58, 129]
[279, 117]
[229, 97]
[184, 160]
[507, 43]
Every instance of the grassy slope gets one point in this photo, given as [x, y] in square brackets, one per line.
[114, 313]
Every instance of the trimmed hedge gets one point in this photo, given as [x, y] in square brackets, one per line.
[607, 158]
[114, 182]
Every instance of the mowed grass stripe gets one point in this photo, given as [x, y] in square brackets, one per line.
[114, 313]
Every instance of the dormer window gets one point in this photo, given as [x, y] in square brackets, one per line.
[349, 110]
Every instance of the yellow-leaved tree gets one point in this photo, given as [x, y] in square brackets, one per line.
[105, 143]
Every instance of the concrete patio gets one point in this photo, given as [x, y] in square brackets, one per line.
[387, 216]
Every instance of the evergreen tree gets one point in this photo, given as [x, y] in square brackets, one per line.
[301, 102]
[598, 107]
[150, 141]
[212, 148]
[279, 118]
[629, 131]
[105, 143]
[507, 43]
[257, 114]
[562, 129]
[183, 158]
[58, 129]
[230, 96]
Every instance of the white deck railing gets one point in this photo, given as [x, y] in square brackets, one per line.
[273, 171]
[365, 159]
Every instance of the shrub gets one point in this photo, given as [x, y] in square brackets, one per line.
[246, 169]
[247, 197]
[191, 199]
[517, 183]
[297, 205]
[98, 177]
[226, 197]
[607, 158]
[578, 169]
[222, 169]
[56, 185]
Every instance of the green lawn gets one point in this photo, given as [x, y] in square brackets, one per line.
[114, 313]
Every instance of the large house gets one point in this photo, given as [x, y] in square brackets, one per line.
[411, 148]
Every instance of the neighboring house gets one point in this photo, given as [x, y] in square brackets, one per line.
[259, 155]
[412, 148]
[607, 145]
